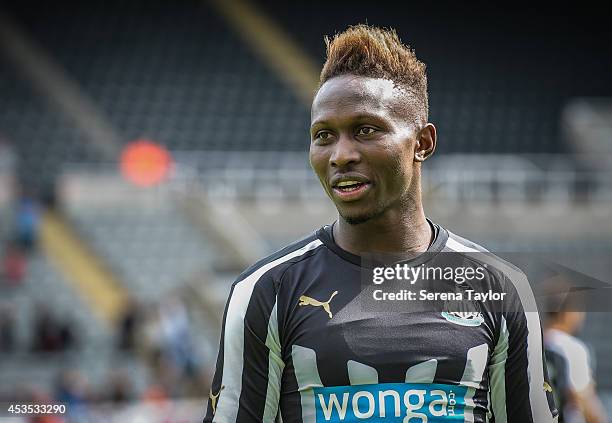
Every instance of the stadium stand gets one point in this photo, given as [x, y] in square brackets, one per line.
[193, 89]
[41, 138]
[154, 252]
[504, 96]
[44, 141]
[165, 78]
[93, 354]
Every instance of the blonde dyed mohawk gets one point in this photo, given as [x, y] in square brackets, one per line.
[375, 52]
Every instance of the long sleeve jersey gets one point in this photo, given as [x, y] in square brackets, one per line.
[300, 345]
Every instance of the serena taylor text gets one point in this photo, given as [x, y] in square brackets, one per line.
[424, 295]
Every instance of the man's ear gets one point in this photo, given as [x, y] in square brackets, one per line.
[425, 143]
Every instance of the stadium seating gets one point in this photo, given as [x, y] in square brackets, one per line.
[183, 78]
[497, 85]
[180, 77]
[41, 137]
[154, 252]
[94, 355]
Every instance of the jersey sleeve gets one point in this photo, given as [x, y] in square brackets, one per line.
[519, 388]
[246, 384]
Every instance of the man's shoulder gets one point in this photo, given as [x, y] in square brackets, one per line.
[459, 244]
[500, 268]
[566, 344]
[478, 253]
[277, 262]
[575, 355]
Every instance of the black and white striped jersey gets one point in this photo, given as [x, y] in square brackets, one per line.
[299, 346]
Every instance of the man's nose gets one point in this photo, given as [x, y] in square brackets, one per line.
[345, 152]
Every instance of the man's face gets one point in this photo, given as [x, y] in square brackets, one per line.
[575, 320]
[362, 146]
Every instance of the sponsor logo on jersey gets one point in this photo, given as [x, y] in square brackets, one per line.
[464, 318]
[393, 402]
[304, 300]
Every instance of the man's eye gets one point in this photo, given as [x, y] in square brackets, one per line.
[365, 130]
[322, 135]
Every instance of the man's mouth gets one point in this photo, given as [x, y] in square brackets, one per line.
[350, 190]
[348, 186]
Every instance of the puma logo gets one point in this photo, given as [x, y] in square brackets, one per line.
[213, 399]
[304, 300]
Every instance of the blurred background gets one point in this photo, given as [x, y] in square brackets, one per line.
[150, 151]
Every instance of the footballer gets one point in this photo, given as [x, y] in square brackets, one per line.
[297, 345]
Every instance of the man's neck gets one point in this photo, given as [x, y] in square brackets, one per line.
[405, 234]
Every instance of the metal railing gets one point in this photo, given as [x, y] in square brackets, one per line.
[485, 178]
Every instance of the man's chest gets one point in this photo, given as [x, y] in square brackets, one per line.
[329, 329]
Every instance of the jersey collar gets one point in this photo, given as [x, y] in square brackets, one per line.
[440, 238]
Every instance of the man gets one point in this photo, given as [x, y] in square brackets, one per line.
[300, 344]
[570, 365]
